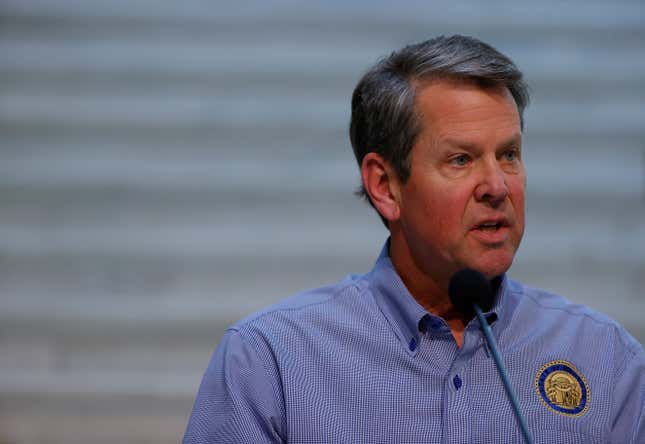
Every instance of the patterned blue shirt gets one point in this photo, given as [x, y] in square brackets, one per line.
[362, 362]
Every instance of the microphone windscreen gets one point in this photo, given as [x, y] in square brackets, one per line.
[468, 287]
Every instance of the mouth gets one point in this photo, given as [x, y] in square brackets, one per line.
[490, 227]
[492, 231]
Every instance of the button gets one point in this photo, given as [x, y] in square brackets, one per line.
[435, 325]
[423, 323]
[457, 382]
[413, 344]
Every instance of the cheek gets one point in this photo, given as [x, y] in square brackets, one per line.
[516, 191]
[439, 207]
[450, 220]
[519, 186]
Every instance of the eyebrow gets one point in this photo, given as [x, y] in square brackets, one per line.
[515, 139]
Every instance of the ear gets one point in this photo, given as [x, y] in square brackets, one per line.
[382, 185]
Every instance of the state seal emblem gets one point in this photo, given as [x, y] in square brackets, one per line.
[562, 388]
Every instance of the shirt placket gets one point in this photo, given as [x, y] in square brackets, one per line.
[456, 399]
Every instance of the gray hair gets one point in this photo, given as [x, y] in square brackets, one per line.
[383, 115]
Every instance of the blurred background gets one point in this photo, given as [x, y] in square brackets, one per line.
[169, 167]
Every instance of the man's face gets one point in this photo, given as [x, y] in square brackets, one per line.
[463, 204]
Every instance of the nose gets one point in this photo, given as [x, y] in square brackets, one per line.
[492, 184]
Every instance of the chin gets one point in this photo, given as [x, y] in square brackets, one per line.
[492, 266]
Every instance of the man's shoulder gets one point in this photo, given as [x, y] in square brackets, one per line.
[553, 309]
[321, 301]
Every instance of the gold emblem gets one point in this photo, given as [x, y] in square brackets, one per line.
[563, 388]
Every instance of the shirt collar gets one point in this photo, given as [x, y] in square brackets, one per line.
[499, 316]
[405, 315]
[396, 303]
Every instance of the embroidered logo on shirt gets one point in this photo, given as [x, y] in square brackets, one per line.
[563, 388]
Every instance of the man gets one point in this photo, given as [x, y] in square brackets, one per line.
[385, 357]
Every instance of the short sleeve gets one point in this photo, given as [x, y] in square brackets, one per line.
[237, 399]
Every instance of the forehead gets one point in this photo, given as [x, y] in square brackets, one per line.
[451, 108]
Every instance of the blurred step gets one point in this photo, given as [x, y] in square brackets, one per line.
[617, 173]
[80, 419]
[202, 298]
[239, 232]
[470, 14]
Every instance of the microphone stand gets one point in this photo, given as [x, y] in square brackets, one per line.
[502, 372]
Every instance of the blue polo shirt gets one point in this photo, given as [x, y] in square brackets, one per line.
[361, 361]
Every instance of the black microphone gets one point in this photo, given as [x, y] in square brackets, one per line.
[470, 293]
[468, 287]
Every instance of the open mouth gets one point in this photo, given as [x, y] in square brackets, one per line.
[490, 226]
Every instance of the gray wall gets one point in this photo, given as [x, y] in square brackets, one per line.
[167, 168]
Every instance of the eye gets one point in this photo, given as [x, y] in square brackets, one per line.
[510, 155]
[460, 160]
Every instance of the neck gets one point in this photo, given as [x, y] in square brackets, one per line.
[430, 291]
